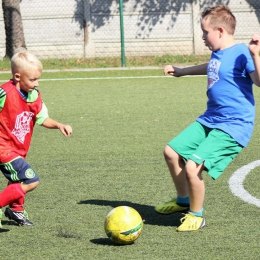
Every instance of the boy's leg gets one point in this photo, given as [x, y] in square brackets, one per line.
[22, 179]
[178, 149]
[11, 193]
[196, 185]
[214, 154]
[18, 204]
[17, 213]
[176, 167]
[194, 219]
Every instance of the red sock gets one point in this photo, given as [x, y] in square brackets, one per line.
[17, 205]
[10, 194]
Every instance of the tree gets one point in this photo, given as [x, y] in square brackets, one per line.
[13, 26]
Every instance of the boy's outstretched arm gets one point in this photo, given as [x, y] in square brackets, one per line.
[179, 72]
[49, 123]
[254, 47]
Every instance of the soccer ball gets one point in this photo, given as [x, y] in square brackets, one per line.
[123, 225]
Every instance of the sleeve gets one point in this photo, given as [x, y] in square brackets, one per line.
[42, 115]
[250, 66]
[2, 98]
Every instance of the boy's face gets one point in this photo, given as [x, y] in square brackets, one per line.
[210, 36]
[27, 80]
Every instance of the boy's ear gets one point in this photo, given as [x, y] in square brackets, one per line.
[17, 76]
[221, 30]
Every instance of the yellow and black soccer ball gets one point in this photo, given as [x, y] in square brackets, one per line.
[123, 225]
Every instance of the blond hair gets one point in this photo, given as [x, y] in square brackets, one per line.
[220, 16]
[23, 60]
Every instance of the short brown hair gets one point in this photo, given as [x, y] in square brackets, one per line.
[220, 16]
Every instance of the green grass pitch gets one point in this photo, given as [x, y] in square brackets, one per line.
[122, 120]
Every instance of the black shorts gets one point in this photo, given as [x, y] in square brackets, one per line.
[18, 170]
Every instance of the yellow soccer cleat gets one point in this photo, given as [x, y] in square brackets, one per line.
[191, 223]
[170, 207]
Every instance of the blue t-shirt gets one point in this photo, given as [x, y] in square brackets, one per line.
[230, 106]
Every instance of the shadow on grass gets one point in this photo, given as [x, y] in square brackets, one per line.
[9, 223]
[2, 230]
[6, 223]
[106, 242]
[147, 213]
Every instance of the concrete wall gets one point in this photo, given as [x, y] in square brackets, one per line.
[91, 28]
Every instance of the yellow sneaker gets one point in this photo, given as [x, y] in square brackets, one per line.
[170, 207]
[191, 223]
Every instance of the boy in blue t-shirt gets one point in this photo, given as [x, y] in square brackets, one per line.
[218, 135]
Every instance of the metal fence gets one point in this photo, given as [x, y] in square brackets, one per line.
[91, 28]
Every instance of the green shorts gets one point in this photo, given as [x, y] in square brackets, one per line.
[213, 147]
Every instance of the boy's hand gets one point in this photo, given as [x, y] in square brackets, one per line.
[66, 130]
[254, 45]
[171, 70]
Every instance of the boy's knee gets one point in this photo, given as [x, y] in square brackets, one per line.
[170, 154]
[30, 186]
[193, 169]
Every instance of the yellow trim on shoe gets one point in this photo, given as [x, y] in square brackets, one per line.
[170, 207]
[191, 222]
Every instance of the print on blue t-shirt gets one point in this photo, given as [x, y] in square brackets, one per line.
[213, 68]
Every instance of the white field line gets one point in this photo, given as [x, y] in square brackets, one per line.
[106, 78]
[236, 183]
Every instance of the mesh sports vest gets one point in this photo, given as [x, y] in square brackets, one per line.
[17, 120]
